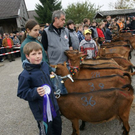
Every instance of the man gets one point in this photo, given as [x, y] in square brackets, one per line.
[56, 39]
[108, 18]
[86, 21]
[73, 35]
[133, 25]
[8, 43]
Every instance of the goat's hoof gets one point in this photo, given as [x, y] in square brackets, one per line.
[81, 127]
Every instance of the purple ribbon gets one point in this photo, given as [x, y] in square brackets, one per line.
[45, 109]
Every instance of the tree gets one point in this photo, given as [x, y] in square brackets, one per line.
[45, 10]
[80, 10]
[122, 4]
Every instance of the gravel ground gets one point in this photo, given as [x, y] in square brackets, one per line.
[17, 119]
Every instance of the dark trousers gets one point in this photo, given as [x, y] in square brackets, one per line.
[10, 56]
[1, 52]
[54, 127]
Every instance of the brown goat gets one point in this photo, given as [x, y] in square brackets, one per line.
[124, 63]
[89, 72]
[86, 85]
[106, 65]
[97, 106]
[91, 61]
[130, 38]
[75, 56]
[116, 43]
[123, 51]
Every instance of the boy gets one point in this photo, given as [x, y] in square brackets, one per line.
[88, 45]
[79, 32]
[34, 81]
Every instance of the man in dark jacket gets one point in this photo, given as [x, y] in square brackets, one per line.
[133, 25]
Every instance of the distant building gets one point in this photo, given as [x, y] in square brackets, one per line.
[13, 15]
[32, 14]
[115, 13]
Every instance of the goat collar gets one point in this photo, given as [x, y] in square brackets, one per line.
[73, 71]
[68, 76]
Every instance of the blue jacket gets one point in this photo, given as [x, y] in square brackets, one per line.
[32, 77]
[80, 36]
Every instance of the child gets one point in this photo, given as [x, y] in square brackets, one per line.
[79, 32]
[101, 36]
[34, 81]
[88, 45]
[31, 34]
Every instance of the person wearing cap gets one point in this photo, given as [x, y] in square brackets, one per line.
[73, 35]
[88, 46]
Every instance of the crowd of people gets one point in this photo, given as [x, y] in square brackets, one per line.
[42, 47]
[8, 40]
[100, 32]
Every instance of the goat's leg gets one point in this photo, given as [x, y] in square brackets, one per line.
[82, 125]
[75, 126]
[126, 127]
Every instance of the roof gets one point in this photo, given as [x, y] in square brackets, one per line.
[102, 14]
[9, 8]
[32, 13]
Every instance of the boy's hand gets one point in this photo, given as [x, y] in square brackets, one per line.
[41, 91]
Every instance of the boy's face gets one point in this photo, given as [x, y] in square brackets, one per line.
[88, 36]
[81, 28]
[85, 28]
[35, 57]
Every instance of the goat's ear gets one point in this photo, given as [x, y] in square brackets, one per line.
[83, 55]
[53, 66]
[65, 64]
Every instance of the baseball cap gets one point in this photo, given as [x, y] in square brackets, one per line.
[87, 32]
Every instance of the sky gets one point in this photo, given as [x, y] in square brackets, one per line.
[30, 4]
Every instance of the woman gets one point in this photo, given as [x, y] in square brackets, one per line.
[31, 33]
[16, 41]
[101, 36]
